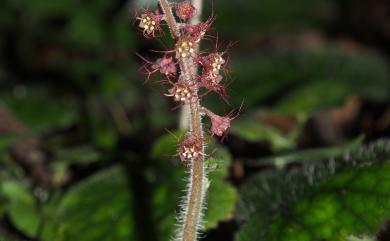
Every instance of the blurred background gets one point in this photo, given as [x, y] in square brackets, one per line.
[84, 151]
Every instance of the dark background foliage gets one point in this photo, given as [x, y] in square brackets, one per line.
[84, 151]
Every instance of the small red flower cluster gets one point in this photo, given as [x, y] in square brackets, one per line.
[180, 65]
[184, 10]
[150, 23]
[190, 149]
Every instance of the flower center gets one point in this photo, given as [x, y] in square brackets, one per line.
[189, 153]
[148, 24]
[182, 94]
[185, 49]
[218, 61]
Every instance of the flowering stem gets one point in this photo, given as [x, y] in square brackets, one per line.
[185, 111]
[170, 19]
[185, 85]
[192, 208]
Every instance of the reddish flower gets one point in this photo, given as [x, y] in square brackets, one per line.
[166, 66]
[220, 124]
[198, 31]
[190, 149]
[211, 78]
[150, 23]
[211, 82]
[213, 62]
[185, 10]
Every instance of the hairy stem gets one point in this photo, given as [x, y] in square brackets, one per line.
[184, 121]
[197, 188]
[170, 19]
[192, 208]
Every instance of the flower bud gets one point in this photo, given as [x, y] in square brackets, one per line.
[219, 124]
[185, 10]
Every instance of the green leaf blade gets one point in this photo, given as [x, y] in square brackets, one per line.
[352, 202]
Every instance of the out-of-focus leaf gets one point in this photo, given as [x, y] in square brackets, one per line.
[21, 207]
[360, 238]
[165, 147]
[314, 95]
[45, 8]
[96, 208]
[6, 141]
[103, 130]
[85, 30]
[112, 82]
[3, 203]
[307, 156]
[79, 154]
[65, 157]
[252, 129]
[329, 74]
[6, 236]
[121, 36]
[35, 111]
[269, 15]
[320, 202]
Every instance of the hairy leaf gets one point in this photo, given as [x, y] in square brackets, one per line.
[222, 196]
[319, 202]
[97, 208]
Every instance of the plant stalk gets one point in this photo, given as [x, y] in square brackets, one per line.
[185, 112]
[194, 202]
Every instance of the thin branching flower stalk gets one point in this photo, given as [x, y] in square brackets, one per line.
[190, 75]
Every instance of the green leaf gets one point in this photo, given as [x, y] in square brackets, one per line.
[112, 82]
[21, 207]
[320, 202]
[166, 145]
[315, 79]
[45, 8]
[86, 30]
[64, 157]
[122, 38]
[360, 238]
[270, 15]
[35, 111]
[103, 130]
[5, 236]
[79, 154]
[317, 94]
[222, 196]
[6, 141]
[97, 208]
[308, 156]
[252, 129]
[3, 203]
